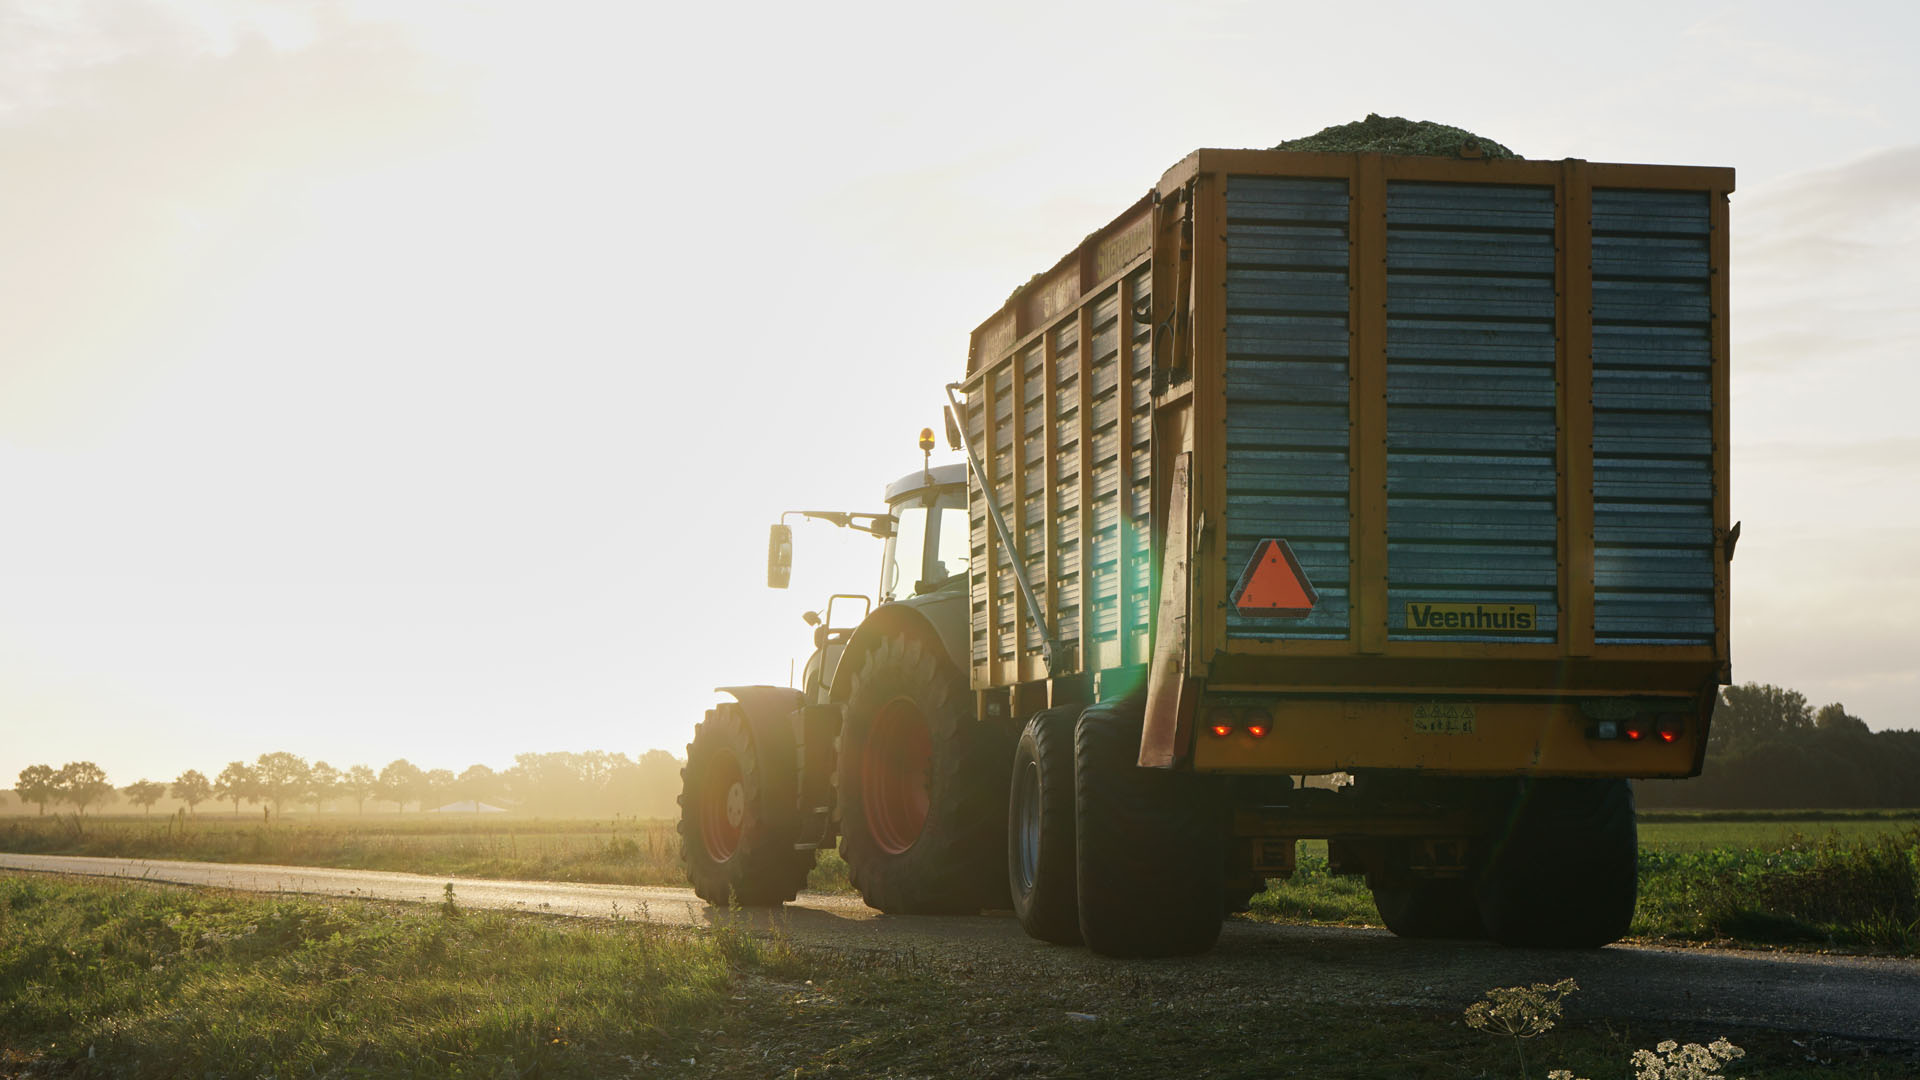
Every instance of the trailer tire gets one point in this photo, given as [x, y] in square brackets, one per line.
[1432, 908]
[1150, 844]
[922, 787]
[738, 822]
[1562, 866]
[1040, 844]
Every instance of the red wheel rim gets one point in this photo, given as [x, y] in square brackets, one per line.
[894, 775]
[723, 806]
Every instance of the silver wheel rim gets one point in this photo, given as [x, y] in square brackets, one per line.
[1027, 825]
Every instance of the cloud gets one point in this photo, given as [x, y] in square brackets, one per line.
[1823, 272]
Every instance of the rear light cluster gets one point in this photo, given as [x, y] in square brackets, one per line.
[1666, 729]
[1225, 721]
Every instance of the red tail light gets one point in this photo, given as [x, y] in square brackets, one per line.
[1223, 730]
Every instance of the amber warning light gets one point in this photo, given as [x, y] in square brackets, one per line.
[1273, 585]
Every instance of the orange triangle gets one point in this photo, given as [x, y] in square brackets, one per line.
[1274, 585]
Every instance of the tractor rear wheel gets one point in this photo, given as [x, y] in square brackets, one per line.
[737, 817]
[1040, 862]
[1562, 866]
[1150, 844]
[922, 787]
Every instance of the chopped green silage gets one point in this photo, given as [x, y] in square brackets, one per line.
[1397, 135]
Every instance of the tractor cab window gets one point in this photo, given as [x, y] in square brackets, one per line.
[905, 548]
[929, 544]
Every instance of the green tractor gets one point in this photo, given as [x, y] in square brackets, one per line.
[879, 746]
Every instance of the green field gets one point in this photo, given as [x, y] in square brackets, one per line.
[1830, 880]
[139, 980]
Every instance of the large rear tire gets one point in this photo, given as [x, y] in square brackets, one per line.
[922, 787]
[1562, 867]
[1040, 845]
[1150, 844]
[738, 823]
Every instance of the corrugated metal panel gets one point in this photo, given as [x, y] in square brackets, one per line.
[1082, 600]
[1287, 417]
[1652, 419]
[1472, 515]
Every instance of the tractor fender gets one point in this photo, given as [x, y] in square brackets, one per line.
[937, 619]
[764, 704]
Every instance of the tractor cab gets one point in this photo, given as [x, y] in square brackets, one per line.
[926, 552]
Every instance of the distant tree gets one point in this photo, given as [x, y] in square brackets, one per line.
[438, 784]
[38, 784]
[281, 776]
[236, 782]
[360, 784]
[193, 788]
[323, 783]
[478, 783]
[1753, 713]
[402, 782]
[83, 784]
[1834, 720]
[145, 793]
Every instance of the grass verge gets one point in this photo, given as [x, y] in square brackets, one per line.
[622, 851]
[135, 980]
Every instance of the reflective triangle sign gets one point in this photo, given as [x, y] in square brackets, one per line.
[1273, 585]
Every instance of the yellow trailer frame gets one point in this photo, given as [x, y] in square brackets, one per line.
[1157, 276]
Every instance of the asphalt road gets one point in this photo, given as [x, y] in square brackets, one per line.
[1841, 996]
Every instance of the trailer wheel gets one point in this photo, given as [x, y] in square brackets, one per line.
[1150, 844]
[1433, 908]
[922, 788]
[1562, 866]
[737, 816]
[1040, 862]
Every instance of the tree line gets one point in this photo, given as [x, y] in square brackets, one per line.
[1771, 749]
[591, 784]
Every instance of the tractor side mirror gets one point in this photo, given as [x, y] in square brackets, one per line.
[779, 556]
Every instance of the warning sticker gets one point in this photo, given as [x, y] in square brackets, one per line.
[1273, 584]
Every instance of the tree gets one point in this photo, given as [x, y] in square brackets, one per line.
[439, 786]
[1834, 719]
[479, 783]
[82, 783]
[323, 783]
[236, 782]
[360, 784]
[145, 793]
[401, 782]
[281, 776]
[1753, 713]
[38, 784]
[193, 788]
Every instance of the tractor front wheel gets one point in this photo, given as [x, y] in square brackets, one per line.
[738, 822]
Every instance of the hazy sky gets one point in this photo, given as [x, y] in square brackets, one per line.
[397, 379]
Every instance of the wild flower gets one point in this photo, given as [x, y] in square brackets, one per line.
[1519, 1012]
[1672, 1061]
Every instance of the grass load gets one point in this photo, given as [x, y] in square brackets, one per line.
[1397, 135]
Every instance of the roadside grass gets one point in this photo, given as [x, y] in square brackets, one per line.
[1860, 893]
[140, 980]
[622, 851]
[1828, 880]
